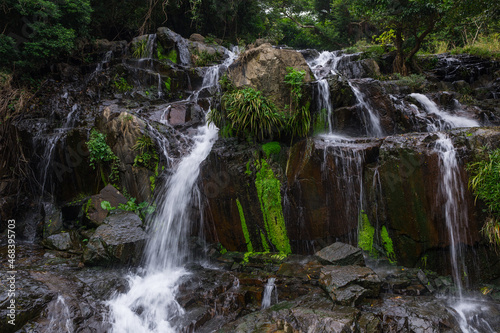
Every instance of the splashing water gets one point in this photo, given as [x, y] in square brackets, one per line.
[60, 317]
[268, 293]
[370, 117]
[443, 120]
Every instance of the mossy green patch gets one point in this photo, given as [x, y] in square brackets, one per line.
[388, 246]
[244, 227]
[271, 148]
[268, 191]
[265, 244]
[365, 234]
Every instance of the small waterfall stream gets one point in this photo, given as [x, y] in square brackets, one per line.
[269, 290]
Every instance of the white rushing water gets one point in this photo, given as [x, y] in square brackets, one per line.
[442, 119]
[269, 290]
[369, 115]
[60, 317]
[324, 102]
[149, 305]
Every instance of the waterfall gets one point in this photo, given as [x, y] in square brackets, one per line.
[451, 189]
[369, 116]
[326, 63]
[60, 317]
[268, 293]
[442, 120]
[324, 102]
[150, 304]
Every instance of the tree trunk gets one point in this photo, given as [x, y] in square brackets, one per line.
[399, 64]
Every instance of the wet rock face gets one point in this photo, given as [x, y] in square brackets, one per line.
[119, 240]
[67, 241]
[264, 68]
[31, 296]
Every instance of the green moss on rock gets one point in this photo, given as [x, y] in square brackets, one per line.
[244, 227]
[268, 190]
[365, 234]
[388, 246]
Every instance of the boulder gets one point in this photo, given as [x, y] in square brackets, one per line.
[341, 254]
[120, 240]
[197, 38]
[264, 68]
[65, 241]
[93, 210]
[349, 285]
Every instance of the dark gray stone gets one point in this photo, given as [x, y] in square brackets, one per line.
[341, 254]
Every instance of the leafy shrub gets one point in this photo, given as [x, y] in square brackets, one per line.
[122, 85]
[142, 210]
[295, 80]
[485, 182]
[414, 81]
[102, 155]
[250, 112]
[204, 58]
[147, 156]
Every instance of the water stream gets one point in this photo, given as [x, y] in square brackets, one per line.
[269, 290]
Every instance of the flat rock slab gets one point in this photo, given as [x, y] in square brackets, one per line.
[341, 254]
[349, 285]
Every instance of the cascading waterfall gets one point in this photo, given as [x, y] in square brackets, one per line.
[369, 116]
[269, 290]
[150, 305]
[324, 102]
[455, 207]
[442, 120]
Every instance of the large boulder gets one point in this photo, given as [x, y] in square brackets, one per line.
[120, 240]
[93, 209]
[341, 254]
[349, 285]
[264, 68]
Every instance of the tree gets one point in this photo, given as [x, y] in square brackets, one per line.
[411, 21]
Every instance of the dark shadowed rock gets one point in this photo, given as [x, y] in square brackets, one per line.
[341, 254]
[94, 212]
[120, 240]
[349, 285]
[66, 241]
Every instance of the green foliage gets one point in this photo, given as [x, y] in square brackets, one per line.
[248, 111]
[140, 49]
[485, 183]
[44, 30]
[269, 192]
[102, 155]
[204, 58]
[295, 80]
[299, 124]
[142, 210]
[147, 156]
[484, 47]
[122, 85]
[366, 232]
[168, 84]
[271, 148]
[414, 81]
[388, 246]
[244, 227]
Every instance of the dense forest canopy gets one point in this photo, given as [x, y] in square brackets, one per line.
[36, 33]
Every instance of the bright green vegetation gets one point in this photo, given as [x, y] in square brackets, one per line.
[388, 246]
[485, 182]
[271, 148]
[244, 228]
[366, 233]
[37, 33]
[140, 50]
[122, 85]
[247, 112]
[171, 55]
[204, 58]
[101, 156]
[147, 156]
[269, 192]
[142, 210]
